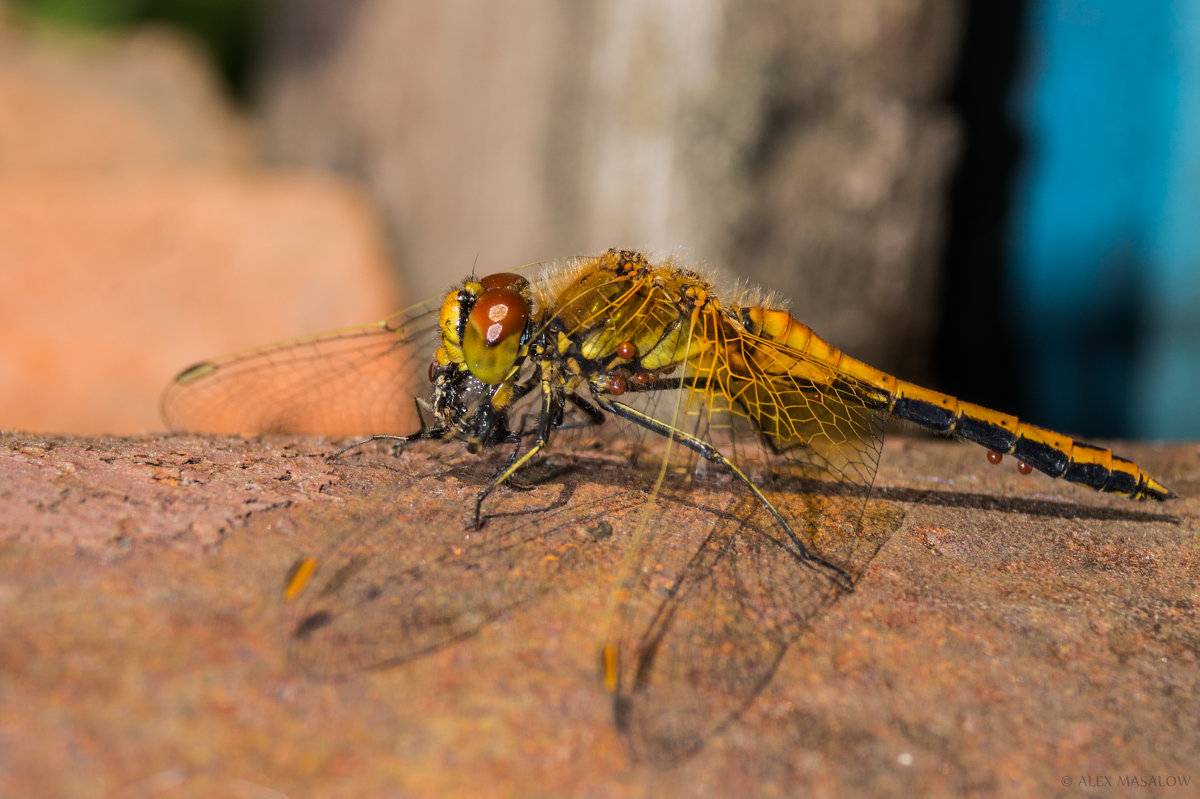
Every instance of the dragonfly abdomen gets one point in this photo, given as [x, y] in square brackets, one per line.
[1052, 453]
[1049, 452]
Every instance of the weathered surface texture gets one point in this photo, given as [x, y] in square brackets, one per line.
[1012, 634]
[802, 146]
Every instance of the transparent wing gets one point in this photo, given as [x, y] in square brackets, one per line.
[708, 617]
[796, 426]
[361, 381]
[355, 381]
[812, 433]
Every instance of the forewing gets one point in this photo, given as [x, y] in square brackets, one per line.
[361, 381]
[800, 429]
[724, 609]
[804, 430]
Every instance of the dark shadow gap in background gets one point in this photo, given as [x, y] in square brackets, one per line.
[975, 351]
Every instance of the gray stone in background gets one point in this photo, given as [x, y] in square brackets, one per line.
[799, 145]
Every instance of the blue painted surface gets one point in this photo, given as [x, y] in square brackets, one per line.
[1105, 260]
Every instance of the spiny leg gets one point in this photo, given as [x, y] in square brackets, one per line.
[515, 439]
[425, 432]
[713, 455]
[400, 440]
[594, 417]
[512, 466]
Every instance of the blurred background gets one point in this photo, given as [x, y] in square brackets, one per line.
[993, 199]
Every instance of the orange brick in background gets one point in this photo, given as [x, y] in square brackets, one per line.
[135, 239]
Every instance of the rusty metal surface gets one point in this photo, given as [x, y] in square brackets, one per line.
[1012, 633]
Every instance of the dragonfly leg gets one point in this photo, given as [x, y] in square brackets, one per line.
[713, 455]
[420, 406]
[400, 441]
[514, 463]
[512, 483]
[591, 412]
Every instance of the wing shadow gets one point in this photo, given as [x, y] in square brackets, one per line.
[710, 614]
[388, 588]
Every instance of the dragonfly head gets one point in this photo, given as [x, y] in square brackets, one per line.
[485, 327]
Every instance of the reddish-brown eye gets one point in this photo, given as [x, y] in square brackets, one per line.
[643, 378]
[498, 314]
[433, 367]
[617, 385]
[1023, 467]
[626, 350]
[491, 341]
[503, 280]
[994, 457]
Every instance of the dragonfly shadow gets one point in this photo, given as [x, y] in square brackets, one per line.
[1059, 509]
[716, 597]
[719, 597]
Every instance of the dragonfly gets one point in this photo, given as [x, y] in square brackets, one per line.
[737, 386]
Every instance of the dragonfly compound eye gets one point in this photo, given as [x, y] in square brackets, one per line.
[504, 280]
[492, 339]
